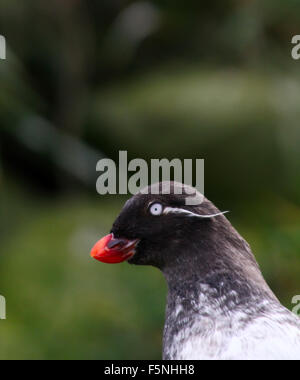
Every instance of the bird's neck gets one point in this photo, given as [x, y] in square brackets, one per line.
[191, 281]
[223, 264]
[228, 288]
[211, 309]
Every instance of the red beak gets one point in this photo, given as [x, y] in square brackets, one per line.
[113, 251]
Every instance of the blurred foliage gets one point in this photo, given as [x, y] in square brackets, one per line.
[63, 305]
[163, 78]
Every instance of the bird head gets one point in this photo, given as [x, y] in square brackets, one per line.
[154, 227]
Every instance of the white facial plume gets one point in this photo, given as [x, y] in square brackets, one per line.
[171, 210]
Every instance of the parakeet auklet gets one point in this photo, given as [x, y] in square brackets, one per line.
[219, 305]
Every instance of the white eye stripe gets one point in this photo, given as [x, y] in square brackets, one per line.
[171, 210]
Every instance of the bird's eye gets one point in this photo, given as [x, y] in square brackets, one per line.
[156, 209]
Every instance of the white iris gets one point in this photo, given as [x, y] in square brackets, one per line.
[156, 209]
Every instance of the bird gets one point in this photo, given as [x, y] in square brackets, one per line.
[219, 306]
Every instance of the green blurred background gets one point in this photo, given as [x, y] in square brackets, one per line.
[84, 79]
